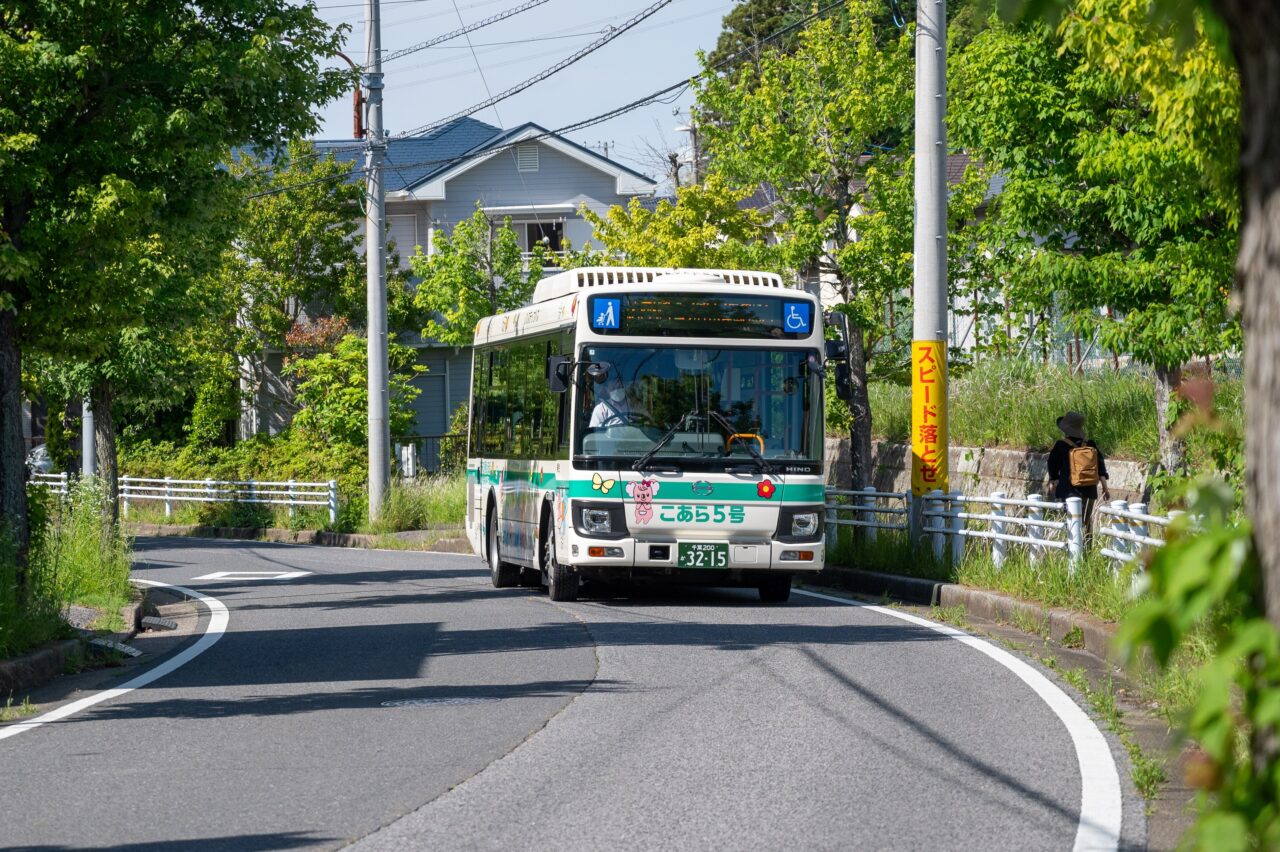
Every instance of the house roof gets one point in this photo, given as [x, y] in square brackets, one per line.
[415, 161]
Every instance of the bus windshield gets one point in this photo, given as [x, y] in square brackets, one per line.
[698, 404]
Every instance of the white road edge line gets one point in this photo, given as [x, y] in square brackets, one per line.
[218, 618]
[1100, 798]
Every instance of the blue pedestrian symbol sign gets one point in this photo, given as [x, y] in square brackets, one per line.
[605, 313]
[795, 317]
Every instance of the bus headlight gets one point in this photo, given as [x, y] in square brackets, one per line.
[596, 521]
[599, 519]
[799, 524]
[804, 524]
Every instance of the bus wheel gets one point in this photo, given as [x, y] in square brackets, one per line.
[562, 584]
[503, 574]
[775, 589]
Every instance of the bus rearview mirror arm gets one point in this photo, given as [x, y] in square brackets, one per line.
[560, 371]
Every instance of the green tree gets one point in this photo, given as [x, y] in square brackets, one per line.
[1229, 574]
[805, 127]
[1133, 217]
[705, 228]
[117, 116]
[333, 388]
[296, 252]
[475, 272]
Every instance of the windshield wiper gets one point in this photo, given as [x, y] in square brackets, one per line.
[644, 461]
[751, 448]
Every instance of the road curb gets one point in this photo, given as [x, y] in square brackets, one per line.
[448, 544]
[38, 667]
[1096, 635]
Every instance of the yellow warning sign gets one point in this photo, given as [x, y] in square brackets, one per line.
[928, 416]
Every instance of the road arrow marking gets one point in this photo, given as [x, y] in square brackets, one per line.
[253, 575]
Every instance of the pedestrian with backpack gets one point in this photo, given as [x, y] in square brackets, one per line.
[1077, 467]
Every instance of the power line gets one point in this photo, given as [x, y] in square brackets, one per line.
[472, 27]
[559, 66]
[569, 128]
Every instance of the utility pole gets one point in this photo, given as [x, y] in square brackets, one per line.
[375, 257]
[929, 462]
[88, 445]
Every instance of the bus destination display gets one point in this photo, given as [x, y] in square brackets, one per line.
[700, 315]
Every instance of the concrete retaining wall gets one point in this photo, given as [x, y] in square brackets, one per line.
[979, 470]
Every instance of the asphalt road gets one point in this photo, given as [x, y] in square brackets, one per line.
[397, 701]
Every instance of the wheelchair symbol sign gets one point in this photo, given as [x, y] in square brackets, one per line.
[795, 317]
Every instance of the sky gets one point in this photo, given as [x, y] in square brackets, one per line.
[440, 81]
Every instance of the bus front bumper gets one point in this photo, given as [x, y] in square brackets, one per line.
[629, 556]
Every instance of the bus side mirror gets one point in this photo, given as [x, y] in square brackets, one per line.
[844, 386]
[837, 350]
[558, 373]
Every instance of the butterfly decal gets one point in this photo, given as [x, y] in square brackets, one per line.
[599, 483]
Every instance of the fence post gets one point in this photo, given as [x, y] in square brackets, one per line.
[1121, 545]
[333, 502]
[937, 523]
[66, 485]
[1075, 531]
[998, 545]
[124, 496]
[868, 502]
[291, 497]
[830, 534]
[915, 519]
[1139, 527]
[1035, 513]
[957, 524]
[168, 494]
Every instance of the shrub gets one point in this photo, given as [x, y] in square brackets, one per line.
[433, 503]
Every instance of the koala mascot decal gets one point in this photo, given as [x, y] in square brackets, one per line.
[643, 491]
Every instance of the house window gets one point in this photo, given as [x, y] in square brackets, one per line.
[550, 234]
[527, 158]
[402, 234]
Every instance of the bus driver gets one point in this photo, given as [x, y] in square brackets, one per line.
[612, 406]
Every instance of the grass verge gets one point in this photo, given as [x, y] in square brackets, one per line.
[1148, 772]
[73, 558]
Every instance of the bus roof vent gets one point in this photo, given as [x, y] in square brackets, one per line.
[564, 283]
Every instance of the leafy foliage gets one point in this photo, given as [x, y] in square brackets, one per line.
[333, 388]
[1210, 577]
[1118, 152]
[475, 272]
[706, 227]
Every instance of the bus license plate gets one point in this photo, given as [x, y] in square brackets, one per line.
[703, 556]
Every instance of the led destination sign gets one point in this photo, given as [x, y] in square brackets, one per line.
[700, 315]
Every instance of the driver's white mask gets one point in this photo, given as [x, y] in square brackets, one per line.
[617, 394]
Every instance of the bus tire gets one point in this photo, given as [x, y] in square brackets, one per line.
[775, 588]
[562, 584]
[504, 575]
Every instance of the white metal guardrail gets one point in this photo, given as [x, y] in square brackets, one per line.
[58, 483]
[169, 491]
[1130, 531]
[1125, 530]
[868, 510]
[1037, 524]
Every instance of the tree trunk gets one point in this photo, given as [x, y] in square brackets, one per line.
[860, 409]
[104, 433]
[13, 467]
[1173, 450]
[1254, 26]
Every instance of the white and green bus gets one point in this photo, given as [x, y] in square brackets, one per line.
[636, 422]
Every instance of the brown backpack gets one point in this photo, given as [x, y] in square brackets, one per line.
[1082, 464]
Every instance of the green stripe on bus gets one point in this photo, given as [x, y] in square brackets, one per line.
[720, 491]
[808, 492]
